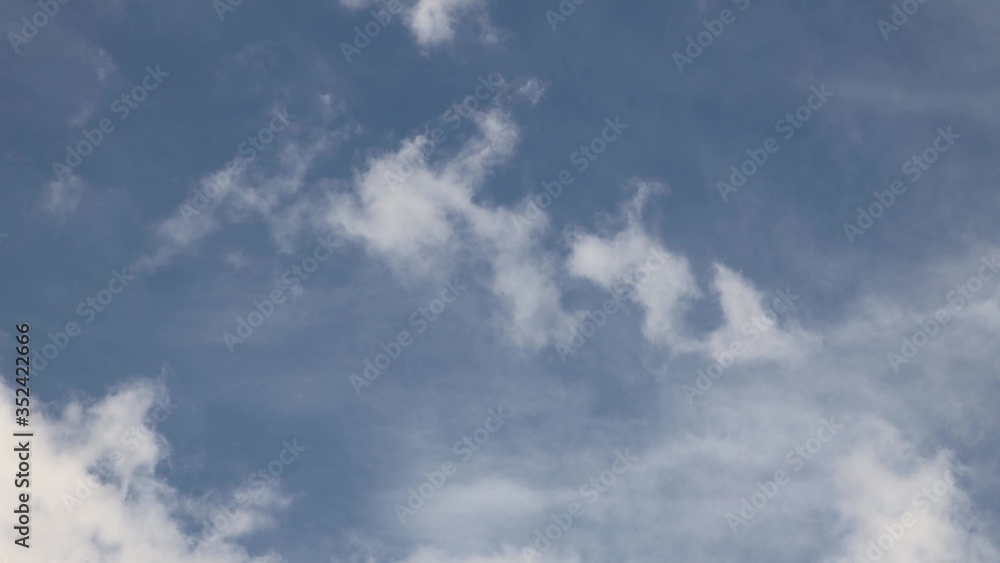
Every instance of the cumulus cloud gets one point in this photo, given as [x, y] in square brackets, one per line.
[419, 213]
[748, 312]
[434, 23]
[655, 278]
[898, 507]
[631, 261]
[96, 494]
[421, 210]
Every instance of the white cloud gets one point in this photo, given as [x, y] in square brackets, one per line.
[900, 508]
[62, 195]
[617, 262]
[532, 90]
[696, 466]
[104, 65]
[747, 312]
[420, 213]
[237, 192]
[434, 23]
[95, 491]
[662, 282]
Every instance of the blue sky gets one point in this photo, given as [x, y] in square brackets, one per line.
[410, 295]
